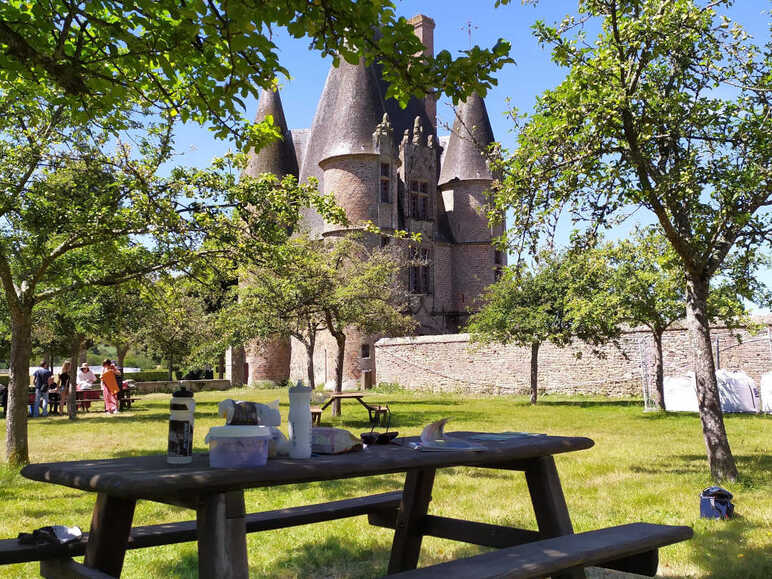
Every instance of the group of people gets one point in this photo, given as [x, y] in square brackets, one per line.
[49, 389]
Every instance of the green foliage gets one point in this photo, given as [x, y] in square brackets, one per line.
[668, 110]
[556, 300]
[199, 61]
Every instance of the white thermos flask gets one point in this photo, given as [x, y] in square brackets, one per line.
[181, 417]
[300, 421]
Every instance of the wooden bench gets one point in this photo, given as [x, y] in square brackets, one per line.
[316, 415]
[56, 559]
[631, 548]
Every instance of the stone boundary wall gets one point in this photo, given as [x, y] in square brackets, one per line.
[173, 386]
[450, 363]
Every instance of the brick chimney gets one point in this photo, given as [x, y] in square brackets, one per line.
[424, 30]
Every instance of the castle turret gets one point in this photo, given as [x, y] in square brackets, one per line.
[269, 360]
[350, 157]
[464, 185]
[277, 157]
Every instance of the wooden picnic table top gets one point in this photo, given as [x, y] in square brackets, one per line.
[346, 394]
[152, 478]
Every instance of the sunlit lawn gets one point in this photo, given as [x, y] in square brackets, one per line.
[645, 467]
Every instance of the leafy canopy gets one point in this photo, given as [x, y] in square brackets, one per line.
[201, 60]
[666, 109]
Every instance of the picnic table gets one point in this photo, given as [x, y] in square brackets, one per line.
[376, 412]
[221, 524]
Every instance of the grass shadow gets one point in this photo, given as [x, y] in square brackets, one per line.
[695, 465]
[721, 549]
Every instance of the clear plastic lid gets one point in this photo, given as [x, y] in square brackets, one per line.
[238, 431]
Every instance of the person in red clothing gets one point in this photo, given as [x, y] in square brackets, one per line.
[109, 386]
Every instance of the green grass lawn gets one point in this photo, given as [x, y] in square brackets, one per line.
[644, 466]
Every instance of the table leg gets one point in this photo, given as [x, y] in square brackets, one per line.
[549, 503]
[222, 536]
[408, 534]
[109, 534]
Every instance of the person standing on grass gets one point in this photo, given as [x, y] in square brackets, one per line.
[110, 386]
[41, 376]
[62, 390]
[84, 381]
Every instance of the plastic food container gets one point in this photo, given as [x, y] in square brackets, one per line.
[238, 446]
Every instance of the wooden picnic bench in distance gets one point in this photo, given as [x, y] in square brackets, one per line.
[376, 412]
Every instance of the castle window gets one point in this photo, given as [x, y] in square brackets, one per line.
[385, 183]
[420, 271]
[420, 208]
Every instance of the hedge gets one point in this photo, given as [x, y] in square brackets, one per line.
[148, 376]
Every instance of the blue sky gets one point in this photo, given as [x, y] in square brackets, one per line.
[518, 86]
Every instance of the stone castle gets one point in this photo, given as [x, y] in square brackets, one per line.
[386, 165]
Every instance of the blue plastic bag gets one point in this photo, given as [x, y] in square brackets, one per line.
[716, 503]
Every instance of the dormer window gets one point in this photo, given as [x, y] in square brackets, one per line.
[420, 208]
[385, 183]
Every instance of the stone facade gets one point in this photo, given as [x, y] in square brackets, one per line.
[449, 363]
[386, 165]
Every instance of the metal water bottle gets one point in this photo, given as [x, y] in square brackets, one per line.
[300, 421]
[181, 418]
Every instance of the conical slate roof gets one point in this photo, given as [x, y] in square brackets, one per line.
[279, 156]
[357, 109]
[468, 141]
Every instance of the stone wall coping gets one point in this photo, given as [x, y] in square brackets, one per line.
[455, 338]
[436, 339]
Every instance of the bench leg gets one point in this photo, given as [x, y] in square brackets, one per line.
[549, 504]
[408, 535]
[109, 534]
[222, 536]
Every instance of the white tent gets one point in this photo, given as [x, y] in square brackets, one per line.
[737, 392]
[766, 392]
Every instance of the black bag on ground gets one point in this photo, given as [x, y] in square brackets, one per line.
[716, 503]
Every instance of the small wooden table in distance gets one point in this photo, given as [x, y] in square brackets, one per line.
[376, 412]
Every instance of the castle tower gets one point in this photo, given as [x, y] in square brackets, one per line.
[269, 360]
[464, 184]
[350, 159]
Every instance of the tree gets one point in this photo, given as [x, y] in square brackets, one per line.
[367, 293]
[667, 110]
[175, 320]
[557, 300]
[278, 297]
[315, 285]
[81, 208]
[200, 60]
[121, 312]
[648, 282]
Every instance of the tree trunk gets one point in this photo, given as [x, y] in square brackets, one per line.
[16, 447]
[171, 360]
[120, 352]
[340, 339]
[659, 372]
[72, 404]
[310, 344]
[720, 459]
[534, 372]
[221, 366]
